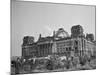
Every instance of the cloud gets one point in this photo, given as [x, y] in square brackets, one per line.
[48, 29]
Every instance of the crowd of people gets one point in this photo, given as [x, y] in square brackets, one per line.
[53, 63]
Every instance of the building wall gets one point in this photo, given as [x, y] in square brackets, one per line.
[64, 45]
[90, 47]
[44, 49]
[29, 51]
[76, 45]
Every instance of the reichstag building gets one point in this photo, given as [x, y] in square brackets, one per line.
[60, 43]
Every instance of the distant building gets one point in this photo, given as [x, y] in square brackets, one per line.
[60, 43]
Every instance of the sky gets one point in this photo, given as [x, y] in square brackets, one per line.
[34, 18]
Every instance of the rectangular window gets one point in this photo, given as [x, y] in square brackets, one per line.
[66, 49]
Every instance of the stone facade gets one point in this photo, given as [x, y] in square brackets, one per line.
[60, 43]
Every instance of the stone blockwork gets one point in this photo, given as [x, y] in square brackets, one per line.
[59, 43]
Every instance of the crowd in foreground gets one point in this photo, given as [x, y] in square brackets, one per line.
[53, 63]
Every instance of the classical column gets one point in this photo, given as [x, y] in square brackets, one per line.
[47, 48]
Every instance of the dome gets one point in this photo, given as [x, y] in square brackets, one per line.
[61, 33]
